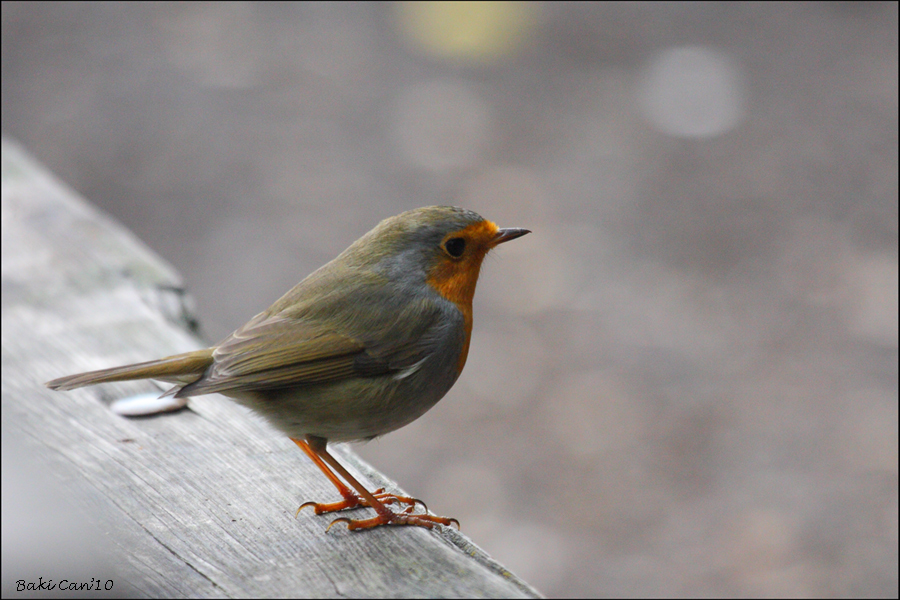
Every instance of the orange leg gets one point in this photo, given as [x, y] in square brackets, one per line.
[314, 447]
[351, 500]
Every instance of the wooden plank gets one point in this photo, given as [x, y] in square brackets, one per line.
[198, 502]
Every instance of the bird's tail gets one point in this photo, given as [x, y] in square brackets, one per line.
[181, 368]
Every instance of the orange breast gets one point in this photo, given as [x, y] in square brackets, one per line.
[455, 278]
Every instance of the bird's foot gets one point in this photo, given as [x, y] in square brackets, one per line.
[352, 500]
[386, 516]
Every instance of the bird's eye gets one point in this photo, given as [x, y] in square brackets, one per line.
[455, 247]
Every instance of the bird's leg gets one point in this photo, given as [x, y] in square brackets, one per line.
[316, 445]
[351, 499]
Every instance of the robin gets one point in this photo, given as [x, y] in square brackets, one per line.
[364, 345]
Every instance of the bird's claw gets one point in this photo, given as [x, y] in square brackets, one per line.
[406, 517]
[351, 501]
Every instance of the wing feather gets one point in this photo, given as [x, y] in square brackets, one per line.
[280, 350]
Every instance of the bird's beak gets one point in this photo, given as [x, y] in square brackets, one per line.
[510, 233]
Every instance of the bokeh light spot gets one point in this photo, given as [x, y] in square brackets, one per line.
[474, 31]
[692, 92]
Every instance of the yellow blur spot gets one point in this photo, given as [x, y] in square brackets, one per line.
[473, 31]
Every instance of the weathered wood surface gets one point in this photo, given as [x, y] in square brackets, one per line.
[199, 502]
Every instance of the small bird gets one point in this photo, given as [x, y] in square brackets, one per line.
[364, 345]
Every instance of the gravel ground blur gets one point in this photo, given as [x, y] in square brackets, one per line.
[683, 383]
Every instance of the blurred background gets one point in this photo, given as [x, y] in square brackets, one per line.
[683, 383]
